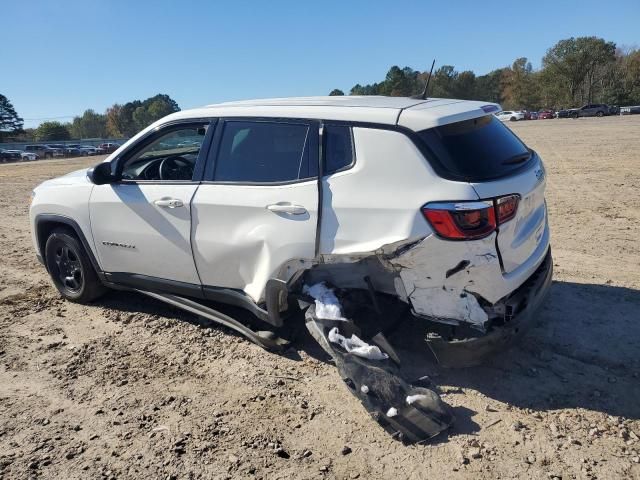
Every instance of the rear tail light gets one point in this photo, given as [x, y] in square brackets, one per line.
[462, 220]
[506, 208]
[470, 220]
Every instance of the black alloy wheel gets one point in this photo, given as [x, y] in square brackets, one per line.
[70, 268]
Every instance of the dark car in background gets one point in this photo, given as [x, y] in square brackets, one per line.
[634, 110]
[44, 151]
[90, 150]
[10, 156]
[72, 150]
[588, 110]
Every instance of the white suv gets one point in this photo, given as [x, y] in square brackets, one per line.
[431, 202]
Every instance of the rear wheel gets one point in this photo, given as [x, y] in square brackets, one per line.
[600, 114]
[70, 268]
[574, 115]
[512, 119]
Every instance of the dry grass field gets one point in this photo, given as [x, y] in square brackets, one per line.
[128, 388]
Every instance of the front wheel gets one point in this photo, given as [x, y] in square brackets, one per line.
[512, 119]
[71, 269]
[600, 114]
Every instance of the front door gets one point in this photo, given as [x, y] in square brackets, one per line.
[142, 224]
[257, 209]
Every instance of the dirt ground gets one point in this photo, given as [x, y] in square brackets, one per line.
[128, 388]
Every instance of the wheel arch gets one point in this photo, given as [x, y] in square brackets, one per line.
[46, 223]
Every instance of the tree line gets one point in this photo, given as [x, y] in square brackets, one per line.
[575, 71]
[118, 121]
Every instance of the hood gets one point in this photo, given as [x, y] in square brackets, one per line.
[73, 178]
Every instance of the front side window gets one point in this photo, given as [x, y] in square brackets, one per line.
[338, 152]
[169, 156]
[263, 152]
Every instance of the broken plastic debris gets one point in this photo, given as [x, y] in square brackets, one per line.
[414, 398]
[356, 346]
[327, 304]
[385, 385]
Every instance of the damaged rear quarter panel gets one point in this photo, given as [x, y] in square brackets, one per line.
[439, 277]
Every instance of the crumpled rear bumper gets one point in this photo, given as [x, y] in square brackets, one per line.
[525, 302]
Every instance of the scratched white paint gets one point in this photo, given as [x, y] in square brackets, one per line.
[423, 271]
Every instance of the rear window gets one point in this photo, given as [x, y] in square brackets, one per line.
[477, 149]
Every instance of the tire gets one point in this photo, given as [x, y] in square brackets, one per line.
[574, 115]
[600, 114]
[70, 268]
[512, 119]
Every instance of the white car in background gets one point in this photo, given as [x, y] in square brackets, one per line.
[510, 115]
[28, 156]
[430, 205]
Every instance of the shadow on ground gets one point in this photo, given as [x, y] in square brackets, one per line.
[583, 352]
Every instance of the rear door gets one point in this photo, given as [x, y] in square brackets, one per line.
[256, 213]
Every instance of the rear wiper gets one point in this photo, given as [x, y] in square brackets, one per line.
[521, 157]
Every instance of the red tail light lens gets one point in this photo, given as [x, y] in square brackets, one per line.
[461, 221]
[506, 208]
[470, 220]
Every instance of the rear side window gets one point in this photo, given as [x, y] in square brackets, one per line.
[338, 151]
[263, 152]
[477, 149]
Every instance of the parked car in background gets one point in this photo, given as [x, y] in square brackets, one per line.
[59, 146]
[545, 114]
[28, 156]
[67, 150]
[589, 110]
[109, 147]
[23, 156]
[10, 155]
[72, 150]
[88, 150]
[630, 110]
[510, 116]
[44, 151]
[533, 115]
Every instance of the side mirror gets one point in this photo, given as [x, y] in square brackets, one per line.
[101, 174]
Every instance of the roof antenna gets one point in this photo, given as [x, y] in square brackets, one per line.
[426, 86]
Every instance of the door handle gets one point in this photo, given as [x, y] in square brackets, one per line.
[287, 208]
[169, 202]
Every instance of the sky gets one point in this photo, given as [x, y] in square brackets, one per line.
[61, 57]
